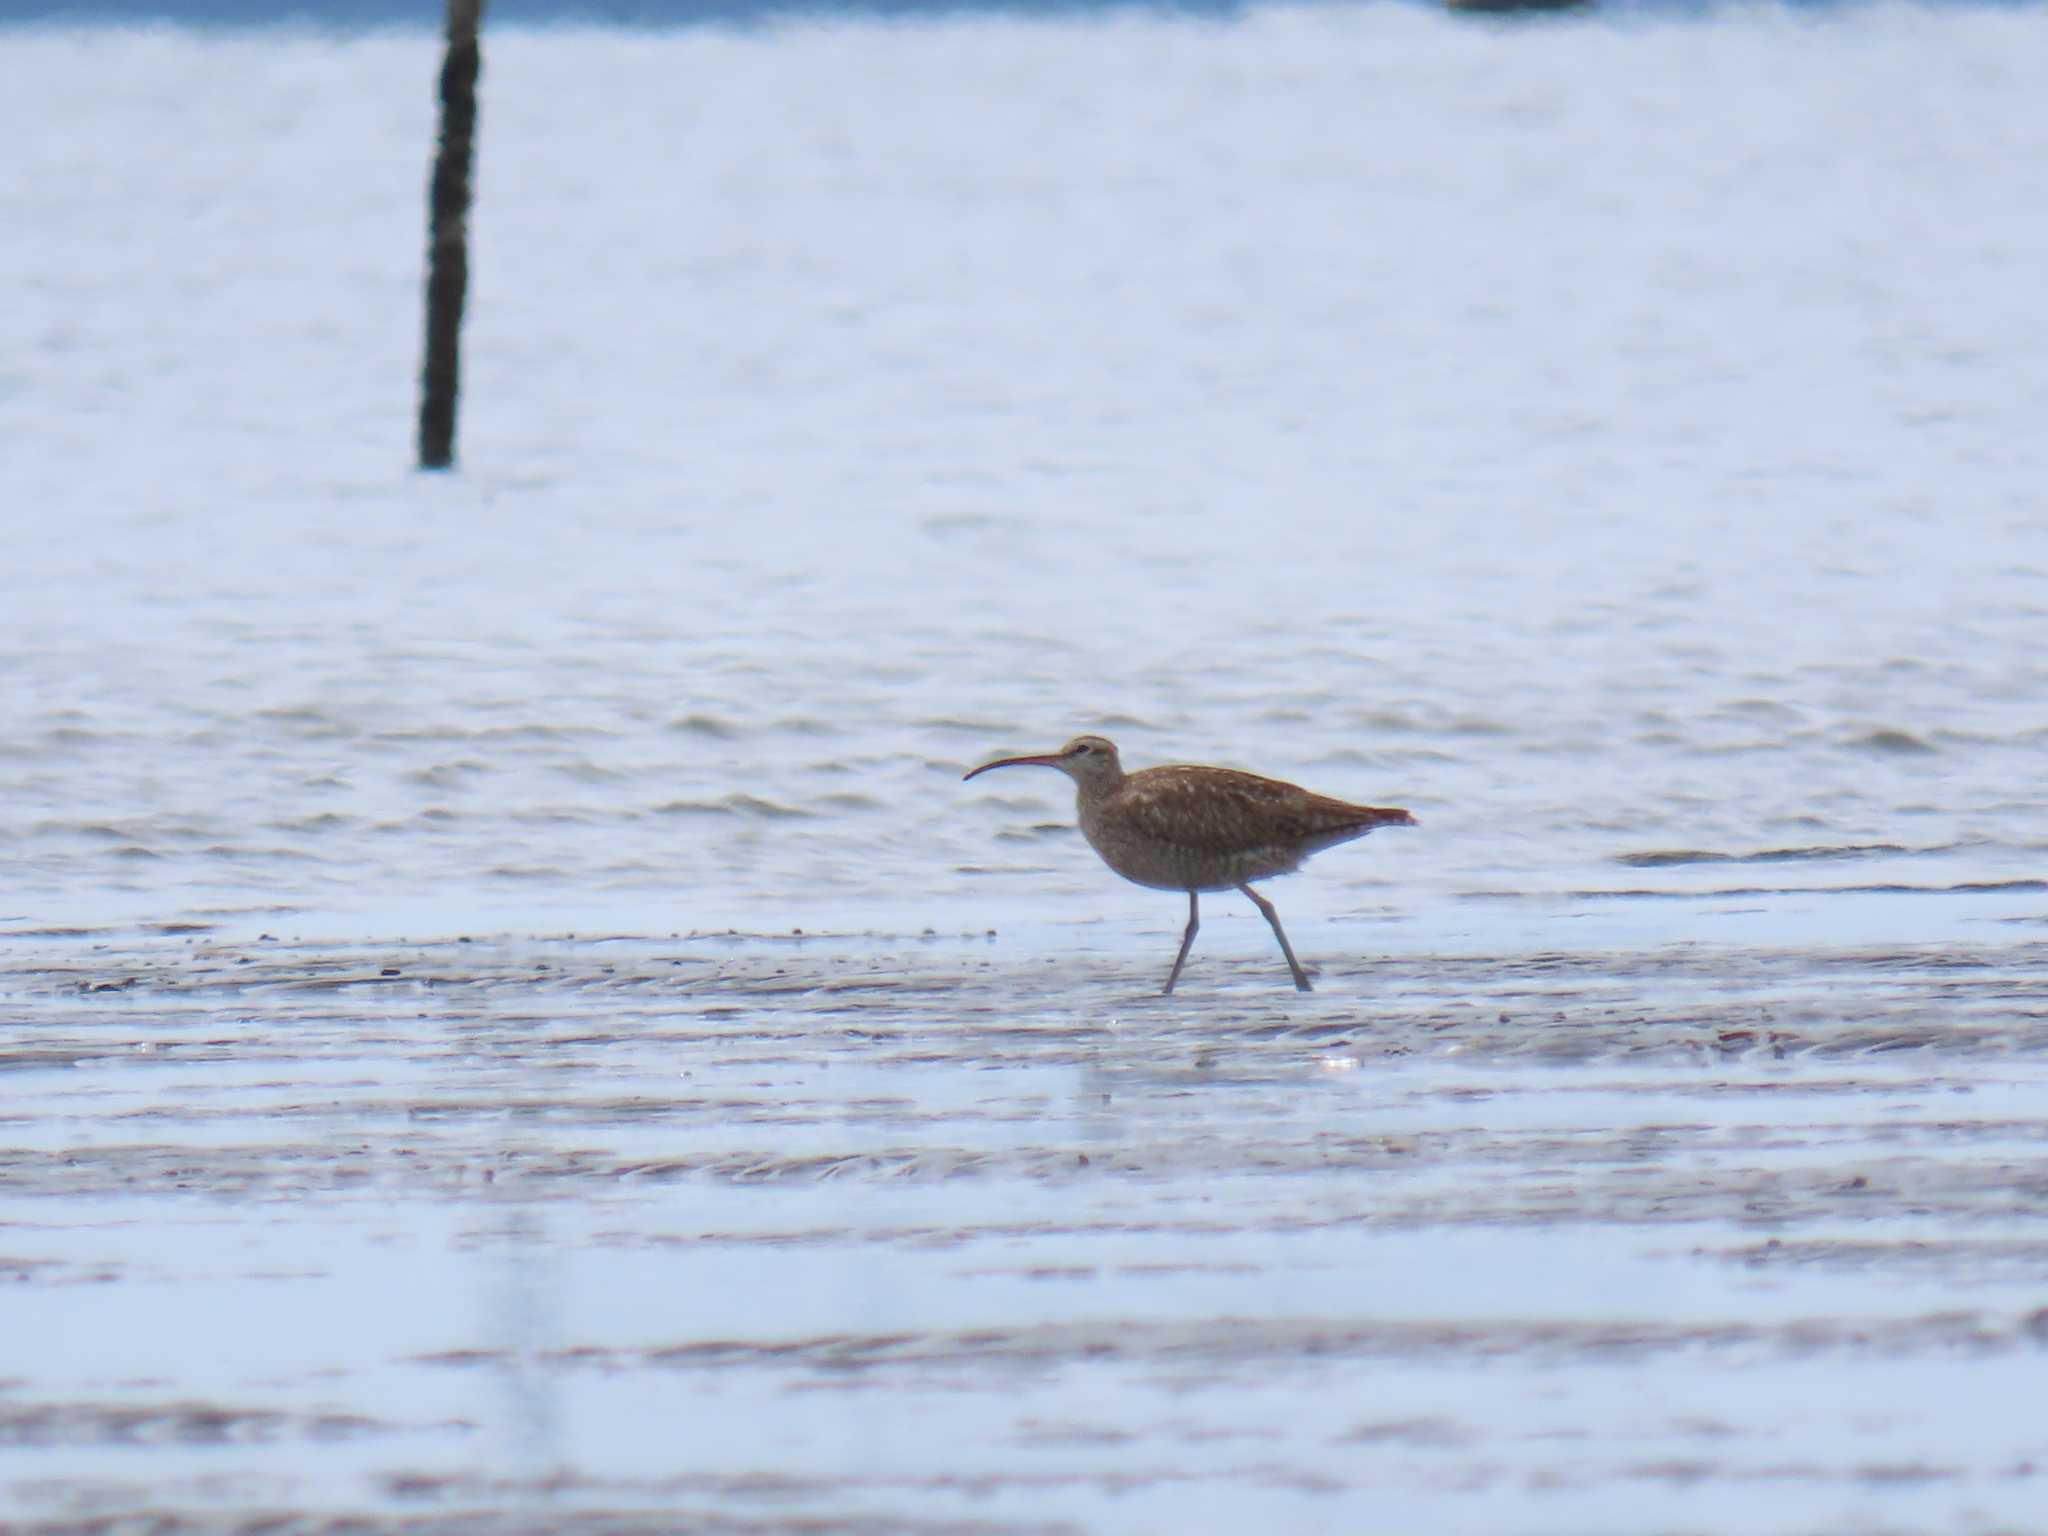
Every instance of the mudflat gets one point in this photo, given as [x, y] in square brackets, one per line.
[788, 1233]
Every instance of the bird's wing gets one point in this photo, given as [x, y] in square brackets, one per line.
[1220, 811]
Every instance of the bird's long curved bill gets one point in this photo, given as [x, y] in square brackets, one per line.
[1041, 760]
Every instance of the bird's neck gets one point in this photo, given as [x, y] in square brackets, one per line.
[1094, 791]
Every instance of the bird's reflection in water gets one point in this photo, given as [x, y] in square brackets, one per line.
[521, 1313]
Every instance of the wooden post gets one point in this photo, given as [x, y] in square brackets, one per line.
[448, 236]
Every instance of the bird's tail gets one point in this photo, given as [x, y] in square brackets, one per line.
[1384, 816]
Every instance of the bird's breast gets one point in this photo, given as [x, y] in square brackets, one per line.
[1172, 864]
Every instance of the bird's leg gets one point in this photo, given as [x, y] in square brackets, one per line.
[1273, 917]
[1186, 939]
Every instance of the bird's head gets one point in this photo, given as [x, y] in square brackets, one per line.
[1089, 761]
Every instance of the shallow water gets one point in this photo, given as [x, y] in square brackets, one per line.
[513, 1018]
[1569, 433]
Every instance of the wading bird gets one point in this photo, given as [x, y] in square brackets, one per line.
[1201, 829]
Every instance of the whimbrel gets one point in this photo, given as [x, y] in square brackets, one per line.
[1201, 829]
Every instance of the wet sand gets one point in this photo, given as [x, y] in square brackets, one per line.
[882, 1233]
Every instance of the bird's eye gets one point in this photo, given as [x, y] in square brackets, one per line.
[1082, 749]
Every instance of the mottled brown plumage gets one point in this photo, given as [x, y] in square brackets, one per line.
[1196, 829]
